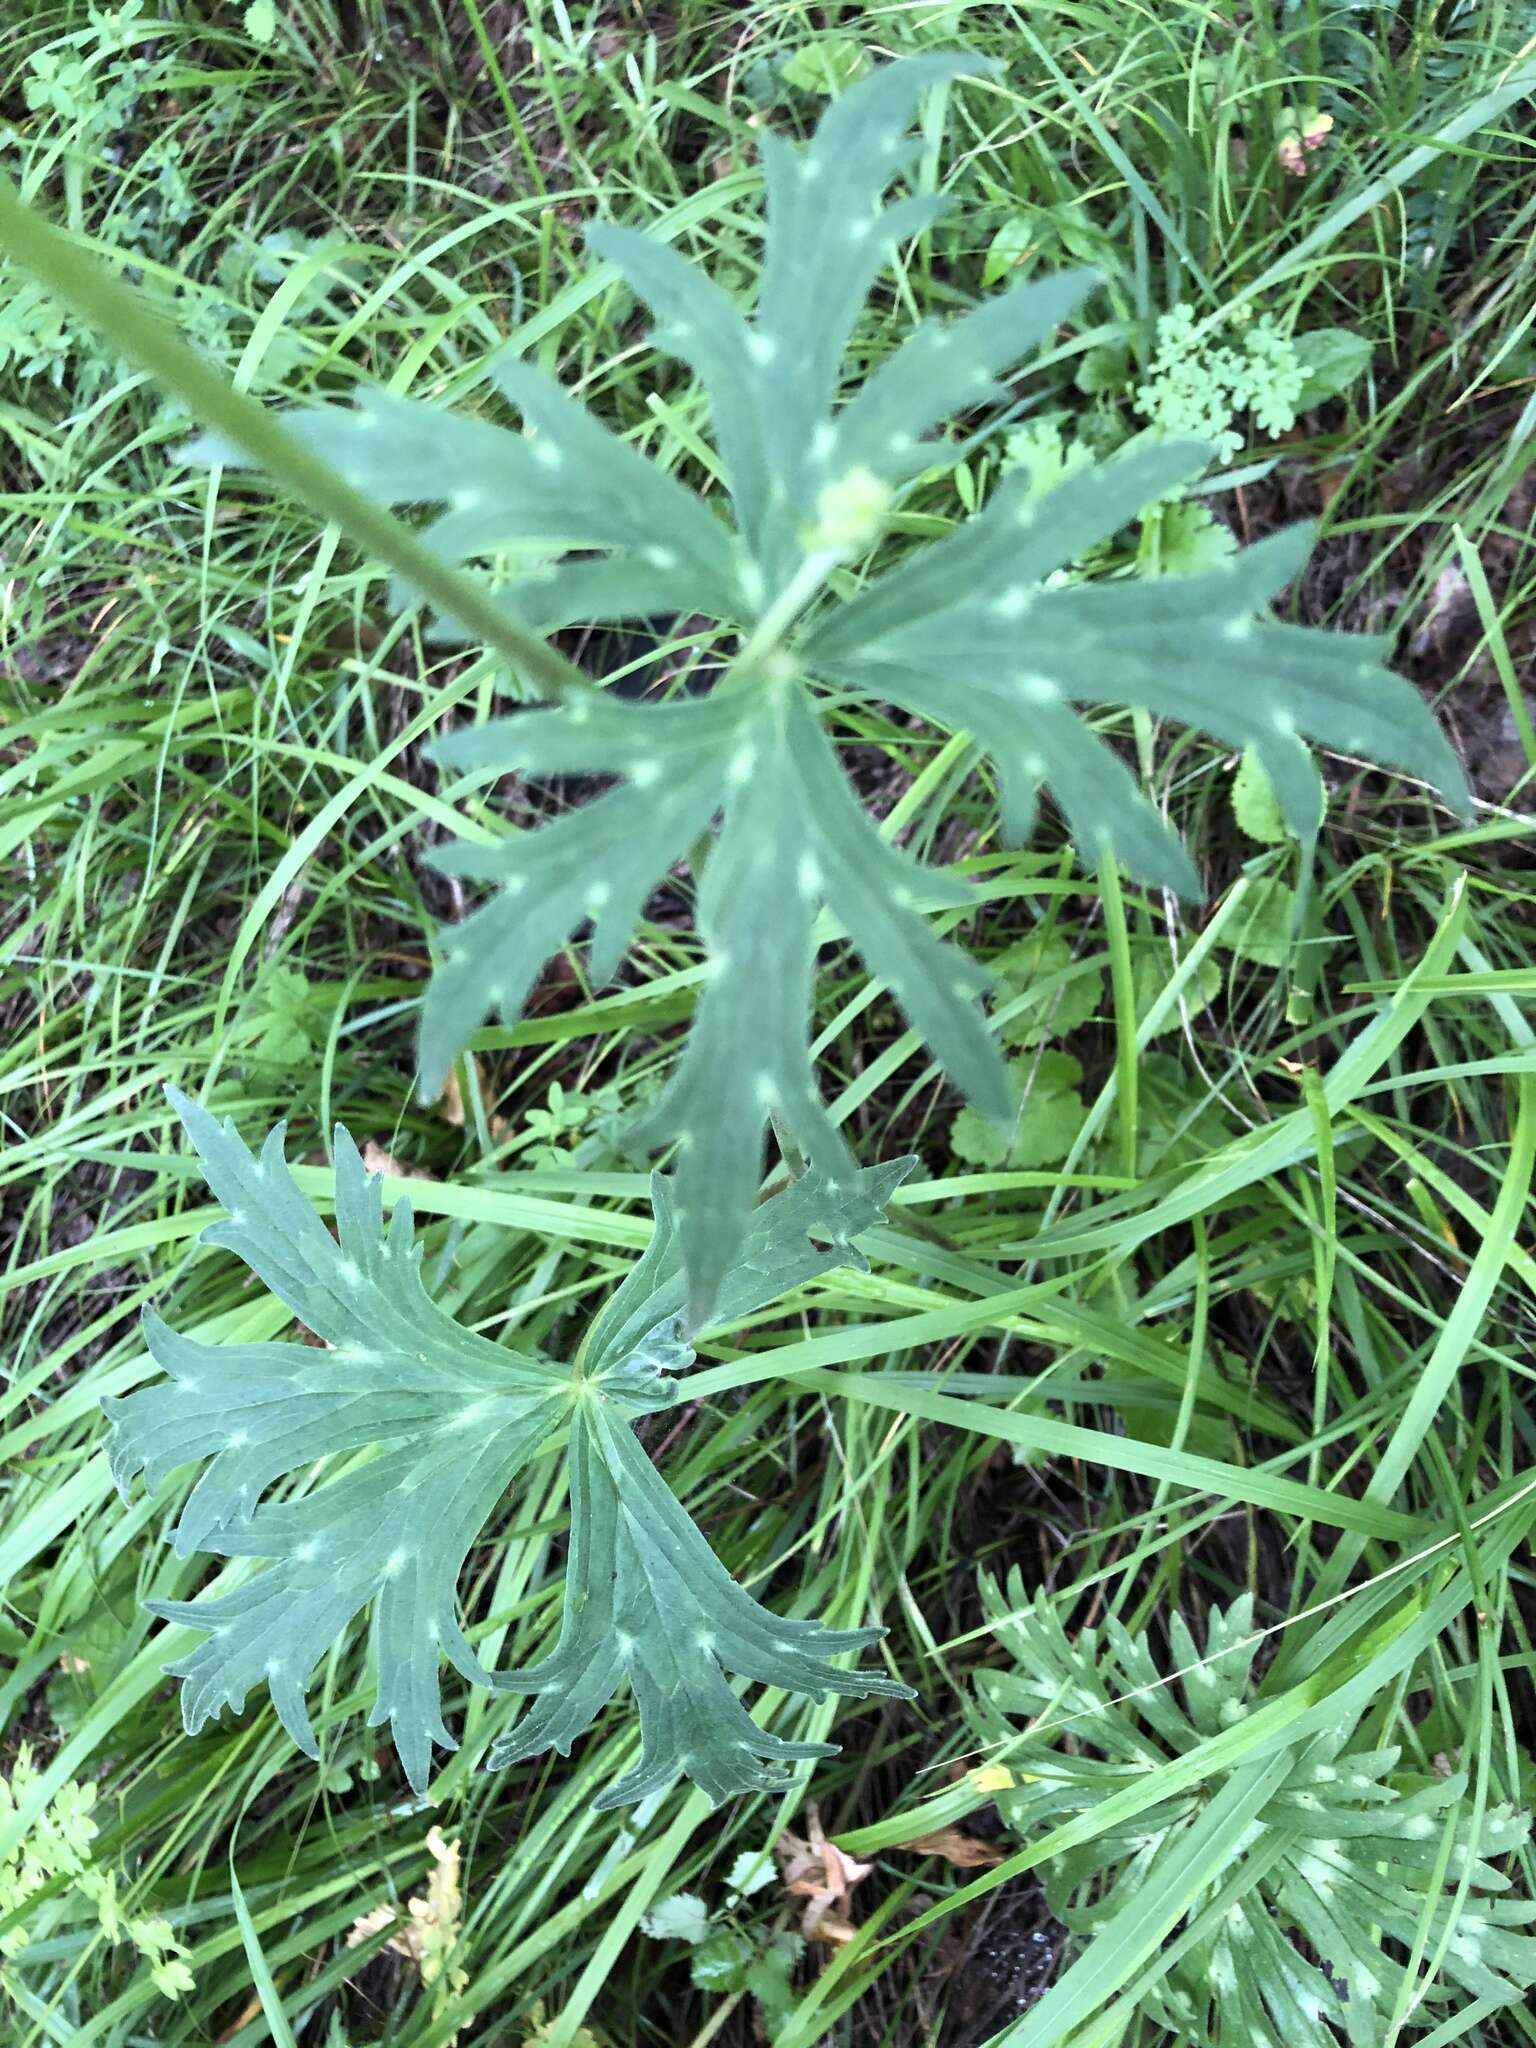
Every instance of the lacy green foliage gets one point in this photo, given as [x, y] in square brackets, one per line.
[89, 129]
[91, 87]
[1179, 538]
[1345, 1852]
[424, 1425]
[56, 1850]
[976, 632]
[1198, 387]
[93, 78]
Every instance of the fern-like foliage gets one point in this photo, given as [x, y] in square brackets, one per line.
[964, 633]
[1341, 1875]
[422, 1425]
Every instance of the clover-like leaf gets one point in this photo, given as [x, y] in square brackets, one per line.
[1349, 1846]
[421, 1426]
[975, 632]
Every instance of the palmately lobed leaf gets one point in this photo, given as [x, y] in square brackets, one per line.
[647, 1603]
[1342, 1854]
[976, 633]
[399, 1433]
[793, 838]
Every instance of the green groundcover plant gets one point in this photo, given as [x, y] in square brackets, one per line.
[337, 1496]
[807, 609]
[1302, 1932]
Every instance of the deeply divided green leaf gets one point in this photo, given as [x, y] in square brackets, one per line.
[976, 633]
[1348, 1848]
[421, 1426]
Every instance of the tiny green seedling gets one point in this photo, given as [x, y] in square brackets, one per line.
[424, 1425]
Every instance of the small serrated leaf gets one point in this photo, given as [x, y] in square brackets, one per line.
[829, 65]
[1151, 969]
[1333, 359]
[680, 1916]
[1187, 539]
[1042, 993]
[260, 20]
[1263, 927]
[1044, 1126]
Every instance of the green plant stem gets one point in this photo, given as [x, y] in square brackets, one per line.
[1122, 983]
[1497, 644]
[767, 636]
[142, 333]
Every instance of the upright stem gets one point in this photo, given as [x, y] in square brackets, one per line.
[766, 637]
[132, 324]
